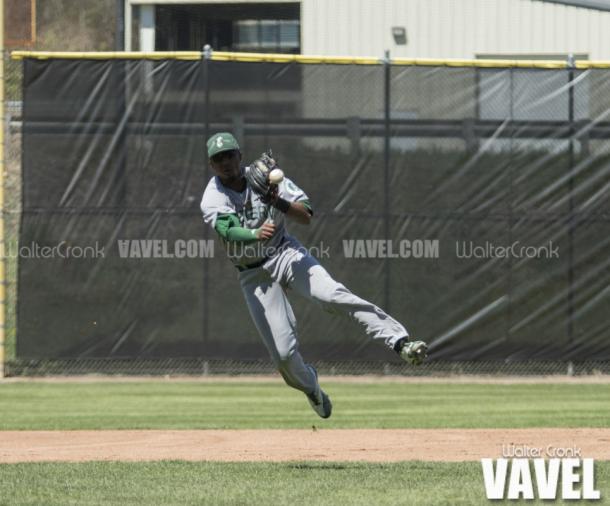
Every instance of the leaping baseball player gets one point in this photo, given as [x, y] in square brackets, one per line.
[248, 207]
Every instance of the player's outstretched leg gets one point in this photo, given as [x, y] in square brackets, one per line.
[275, 321]
[310, 279]
[319, 401]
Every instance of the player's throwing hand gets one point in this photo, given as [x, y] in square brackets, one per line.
[266, 231]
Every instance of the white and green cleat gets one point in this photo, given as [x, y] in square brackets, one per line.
[319, 401]
[414, 352]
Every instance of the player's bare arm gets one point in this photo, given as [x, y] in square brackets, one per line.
[300, 213]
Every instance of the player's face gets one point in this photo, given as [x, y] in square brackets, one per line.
[226, 165]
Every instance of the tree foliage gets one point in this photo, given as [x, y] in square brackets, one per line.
[76, 25]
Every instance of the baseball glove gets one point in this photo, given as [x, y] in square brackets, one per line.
[257, 175]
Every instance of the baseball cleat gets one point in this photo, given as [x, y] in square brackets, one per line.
[319, 401]
[414, 352]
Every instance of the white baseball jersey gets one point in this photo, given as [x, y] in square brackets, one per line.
[252, 213]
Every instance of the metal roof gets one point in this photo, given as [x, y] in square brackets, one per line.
[600, 5]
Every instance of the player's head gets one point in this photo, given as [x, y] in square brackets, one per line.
[224, 156]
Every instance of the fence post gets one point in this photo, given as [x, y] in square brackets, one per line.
[570, 330]
[511, 219]
[206, 56]
[386, 176]
[122, 125]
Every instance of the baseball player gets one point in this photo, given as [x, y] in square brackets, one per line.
[249, 213]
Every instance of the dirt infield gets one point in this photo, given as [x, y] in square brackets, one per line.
[373, 445]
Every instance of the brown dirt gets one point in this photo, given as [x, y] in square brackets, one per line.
[376, 445]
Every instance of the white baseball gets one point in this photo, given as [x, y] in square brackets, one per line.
[276, 176]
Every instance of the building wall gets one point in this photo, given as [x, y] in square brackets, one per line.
[461, 29]
[453, 28]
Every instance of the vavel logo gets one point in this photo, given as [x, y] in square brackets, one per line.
[528, 478]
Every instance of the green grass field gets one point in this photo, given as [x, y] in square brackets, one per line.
[201, 405]
[295, 484]
[272, 405]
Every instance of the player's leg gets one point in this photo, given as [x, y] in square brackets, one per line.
[312, 280]
[276, 323]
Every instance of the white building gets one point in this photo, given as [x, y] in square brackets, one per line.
[463, 29]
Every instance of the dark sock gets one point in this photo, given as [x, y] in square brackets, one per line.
[399, 344]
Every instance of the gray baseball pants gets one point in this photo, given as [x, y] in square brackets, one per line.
[292, 266]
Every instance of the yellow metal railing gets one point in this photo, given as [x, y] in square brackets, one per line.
[106, 55]
[298, 58]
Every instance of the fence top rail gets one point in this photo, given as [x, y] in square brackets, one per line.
[298, 58]
[106, 55]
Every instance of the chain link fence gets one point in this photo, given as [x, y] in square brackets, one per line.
[448, 145]
[202, 367]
